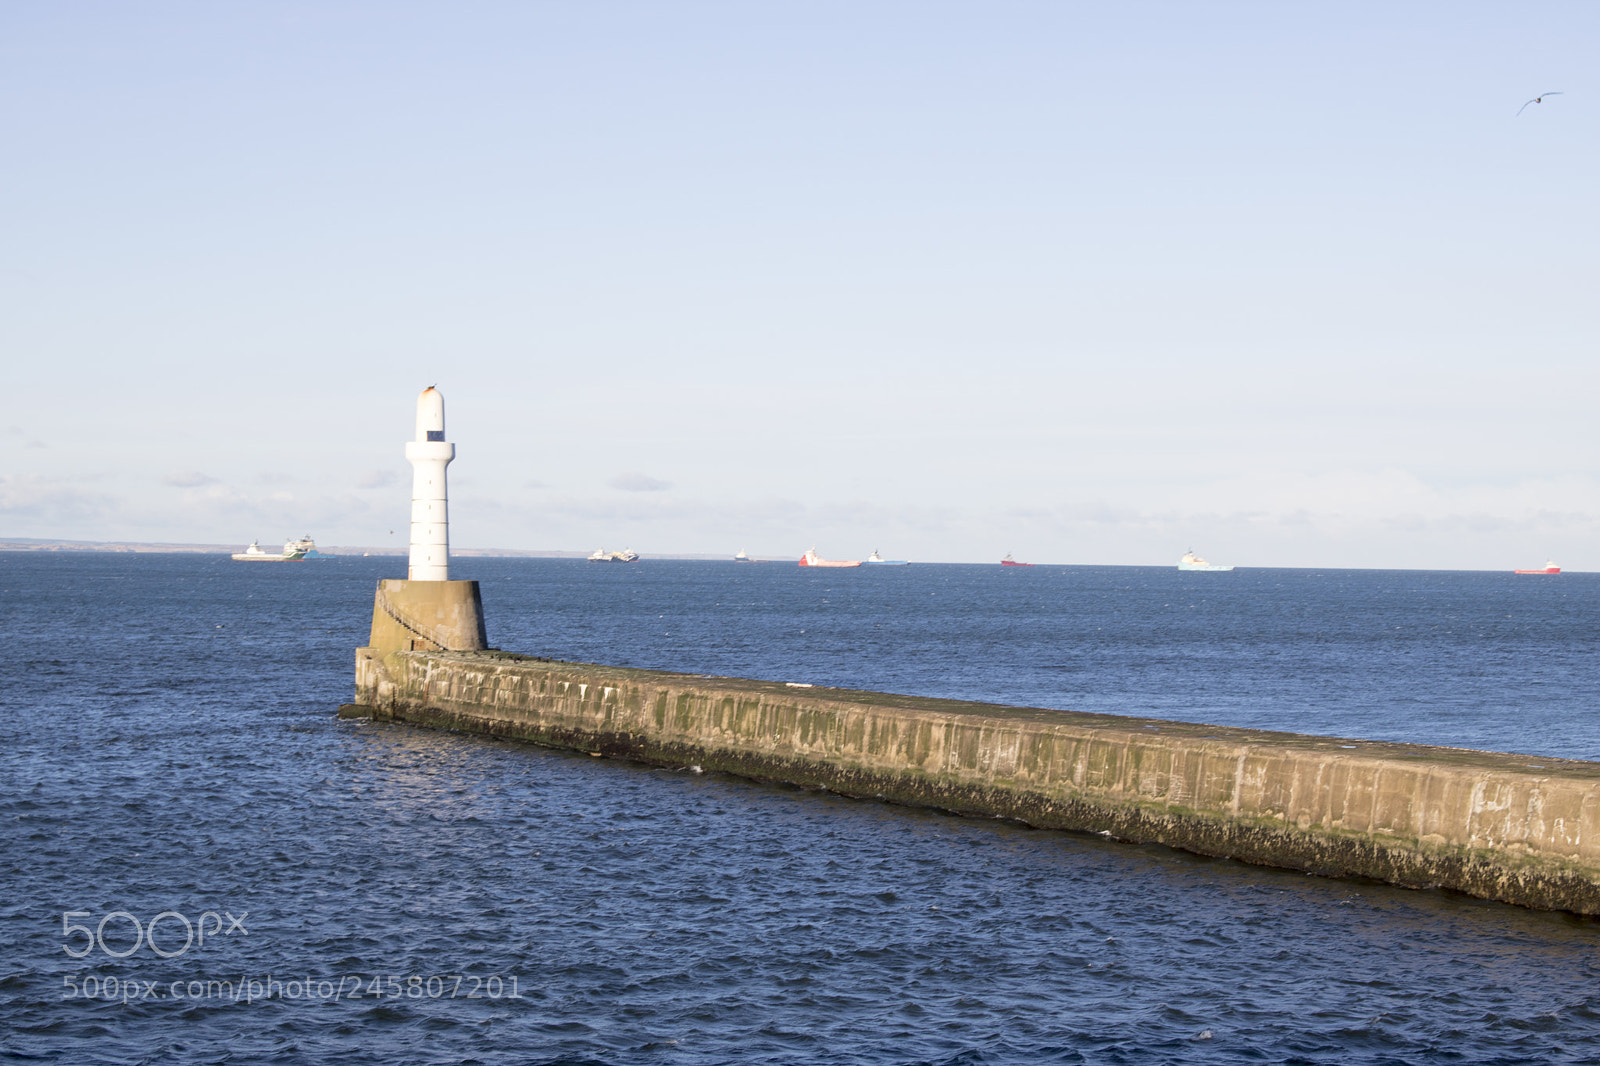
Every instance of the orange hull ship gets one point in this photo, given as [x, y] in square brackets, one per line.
[1008, 561]
[1549, 568]
[811, 558]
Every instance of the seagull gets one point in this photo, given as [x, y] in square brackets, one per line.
[1537, 100]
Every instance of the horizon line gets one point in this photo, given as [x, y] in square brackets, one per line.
[133, 547]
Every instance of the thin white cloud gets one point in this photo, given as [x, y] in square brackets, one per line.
[51, 501]
[188, 479]
[635, 482]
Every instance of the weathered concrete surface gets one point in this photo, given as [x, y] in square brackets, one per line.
[1508, 827]
[427, 616]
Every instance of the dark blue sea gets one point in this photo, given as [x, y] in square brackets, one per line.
[199, 863]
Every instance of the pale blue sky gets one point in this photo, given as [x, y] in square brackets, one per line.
[1290, 284]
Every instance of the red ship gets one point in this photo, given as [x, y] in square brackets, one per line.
[1008, 561]
[1549, 568]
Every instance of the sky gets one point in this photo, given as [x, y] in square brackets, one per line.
[1286, 284]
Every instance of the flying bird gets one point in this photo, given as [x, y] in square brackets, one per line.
[1536, 100]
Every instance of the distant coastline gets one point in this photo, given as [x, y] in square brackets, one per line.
[33, 544]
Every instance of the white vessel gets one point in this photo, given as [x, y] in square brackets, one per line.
[306, 547]
[626, 555]
[254, 554]
[742, 558]
[881, 561]
[1191, 561]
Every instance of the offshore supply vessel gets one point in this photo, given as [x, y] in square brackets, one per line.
[1191, 561]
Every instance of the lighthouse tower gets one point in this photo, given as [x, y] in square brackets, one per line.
[429, 454]
[425, 612]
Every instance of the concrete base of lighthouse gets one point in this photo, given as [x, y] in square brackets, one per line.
[427, 616]
[415, 616]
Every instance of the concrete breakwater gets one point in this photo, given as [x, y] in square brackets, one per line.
[1515, 828]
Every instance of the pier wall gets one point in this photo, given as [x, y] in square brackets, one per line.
[1516, 828]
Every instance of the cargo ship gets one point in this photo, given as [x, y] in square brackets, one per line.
[1549, 568]
[1008, 561]
[879, 560]
[1191, 561]
[811, 558]
[626, 555]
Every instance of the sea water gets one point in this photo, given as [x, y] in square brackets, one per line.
[170, 763]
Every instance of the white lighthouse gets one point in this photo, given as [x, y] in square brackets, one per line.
[429, 454]
[426, 611]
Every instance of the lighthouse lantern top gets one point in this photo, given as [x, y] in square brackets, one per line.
[430, 415]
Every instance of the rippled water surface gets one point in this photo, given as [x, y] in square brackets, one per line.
[168, 744]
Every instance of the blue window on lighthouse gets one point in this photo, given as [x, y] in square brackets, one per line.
[436, 434]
